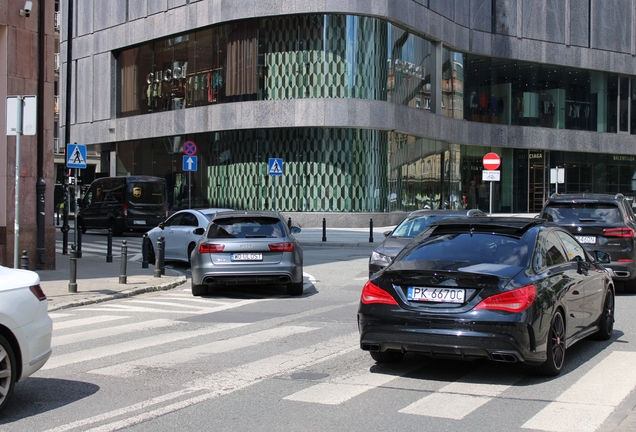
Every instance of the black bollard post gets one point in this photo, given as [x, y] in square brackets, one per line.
[324, 229]
[124, 261]
[145, 251]
[24, 260]
[109, 247]
[79, 242]
[371, 230]
[57, 215]
[162, 256]
[159, 257]
[72, 283]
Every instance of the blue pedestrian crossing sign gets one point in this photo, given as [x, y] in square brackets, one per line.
[76, 156]
[190, 163]
[275, 166]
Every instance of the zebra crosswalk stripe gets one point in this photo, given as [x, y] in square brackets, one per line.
[584, 406]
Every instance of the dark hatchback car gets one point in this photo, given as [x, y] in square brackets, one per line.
[599, 222]
[247, 248]
[416, 222]
[503, 289]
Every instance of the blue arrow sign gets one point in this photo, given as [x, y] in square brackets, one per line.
[190, 163]
[76, 156]
[275, 166]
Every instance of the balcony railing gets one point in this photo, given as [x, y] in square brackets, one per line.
[56, 105]
[56, 61]
[57, 18]
[58, 147]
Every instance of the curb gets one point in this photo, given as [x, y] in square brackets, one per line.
[179, 280]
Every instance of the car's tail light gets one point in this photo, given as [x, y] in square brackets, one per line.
[372, 293]
[516, 300]
[166, 210]
[618, 232]
[210, 248]
[625, 260]
[125, 210]
[281, 247]
[37, 291]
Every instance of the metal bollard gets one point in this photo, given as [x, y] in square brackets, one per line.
[109, 248]
[371, 230]
[124, 261]
[24, 260]
[79, 242]
[324, 229]
[72, 283]
[289, 223]
[159, 258]
[145, 251]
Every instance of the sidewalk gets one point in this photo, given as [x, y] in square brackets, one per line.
[98, 281]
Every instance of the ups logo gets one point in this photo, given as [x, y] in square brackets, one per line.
[137, 192]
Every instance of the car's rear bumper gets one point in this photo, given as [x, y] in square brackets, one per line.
[455, 339]
[279, 276]
[36, 348]
[621, 271]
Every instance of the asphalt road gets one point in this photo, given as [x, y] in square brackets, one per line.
[259, 360]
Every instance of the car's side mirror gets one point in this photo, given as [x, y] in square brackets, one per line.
[387, 233]
[160, 225]
[295, 230]
[602, 257]
[199, 231]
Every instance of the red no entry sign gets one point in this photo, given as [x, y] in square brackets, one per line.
[491, 161]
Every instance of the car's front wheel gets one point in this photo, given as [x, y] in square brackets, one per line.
[7, 371]
[555, 349]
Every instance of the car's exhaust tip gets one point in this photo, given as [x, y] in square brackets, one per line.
[504, 357]
[370, 347]
[284, 279]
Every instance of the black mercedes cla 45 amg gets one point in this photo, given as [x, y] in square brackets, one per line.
[503, 289]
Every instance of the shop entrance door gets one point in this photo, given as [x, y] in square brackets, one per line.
[537, 186]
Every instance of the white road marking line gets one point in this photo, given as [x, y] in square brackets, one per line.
[124, 307]
[111, 331]
[584, 406]
[458, 399]
[116, 349]
[344, 388]
[224, 382]
[85, 321]
[55, 315]
[169, 359]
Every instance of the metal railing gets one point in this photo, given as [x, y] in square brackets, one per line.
[56, 61]
[57, 19]
[58, 147]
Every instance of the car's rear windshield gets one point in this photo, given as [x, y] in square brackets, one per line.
[246, 227]
[471, 249]
[146, 193]
[567, 213]
[412, 226]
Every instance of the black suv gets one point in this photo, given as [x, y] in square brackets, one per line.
[602, 222]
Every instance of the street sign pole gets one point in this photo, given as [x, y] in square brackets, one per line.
[16, 223]
[189, 190]
[76, 201]
[490, 200]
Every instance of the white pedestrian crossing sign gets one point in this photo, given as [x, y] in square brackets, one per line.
[275, 166]
[76, 156]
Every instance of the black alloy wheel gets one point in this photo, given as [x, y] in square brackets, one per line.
[606, 321]
[8, 371]
[198, 290]
[295, 289]
[190, 249]
[555, 349]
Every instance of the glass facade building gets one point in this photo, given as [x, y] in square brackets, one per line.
[496, 102]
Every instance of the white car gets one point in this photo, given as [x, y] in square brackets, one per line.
[25, 328]
[181, 232]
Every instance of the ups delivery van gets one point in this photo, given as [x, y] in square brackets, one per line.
[133, 203]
